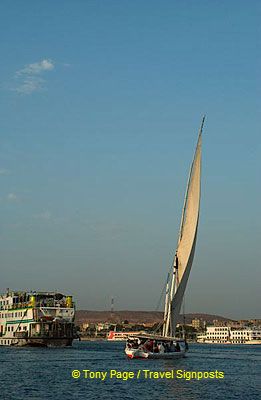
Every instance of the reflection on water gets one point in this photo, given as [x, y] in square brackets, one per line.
[46, 373]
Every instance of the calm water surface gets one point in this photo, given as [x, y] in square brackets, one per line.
[36, 373]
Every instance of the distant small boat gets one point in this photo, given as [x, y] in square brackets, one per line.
[121, 336]
[166, 345]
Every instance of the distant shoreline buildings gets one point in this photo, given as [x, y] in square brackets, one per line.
[230, 335]
[217, 330]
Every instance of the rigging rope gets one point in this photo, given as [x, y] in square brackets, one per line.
[160, 324]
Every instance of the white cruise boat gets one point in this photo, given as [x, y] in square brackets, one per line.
[36, 319]
[230, 335]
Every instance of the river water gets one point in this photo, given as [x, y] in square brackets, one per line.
[38, 373]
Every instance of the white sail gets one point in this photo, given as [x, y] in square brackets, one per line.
[186, 245]
[188, 235]
[177, 280]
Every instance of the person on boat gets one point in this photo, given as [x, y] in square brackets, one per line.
[177, 348]
[155, 347]
[172, 347]
[149, 345]
[142, 344]
[132, 343]
[161, 348]
[167, 347]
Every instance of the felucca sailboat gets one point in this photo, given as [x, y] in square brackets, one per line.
[165, 345]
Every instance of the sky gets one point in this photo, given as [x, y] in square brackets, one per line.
[100, 105]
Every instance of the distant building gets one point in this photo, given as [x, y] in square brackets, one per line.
[101, 326]
[256, 322]
[243, 322]
[225, 334]
[218, 322]
[234, 324]
[245, 335]
[215, 334]
[85, 326]
[197, 323]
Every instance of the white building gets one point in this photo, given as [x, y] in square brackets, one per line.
[225, 334]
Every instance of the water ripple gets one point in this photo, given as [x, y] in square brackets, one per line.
[38, 374]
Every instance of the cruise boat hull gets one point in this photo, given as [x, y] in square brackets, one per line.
[248, 342]
[65, 342]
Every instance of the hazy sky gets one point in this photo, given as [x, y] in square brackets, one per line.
[100, 105]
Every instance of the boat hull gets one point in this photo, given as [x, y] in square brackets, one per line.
[247, 342]
[42, 342]
[63, 342]
[139, 354]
